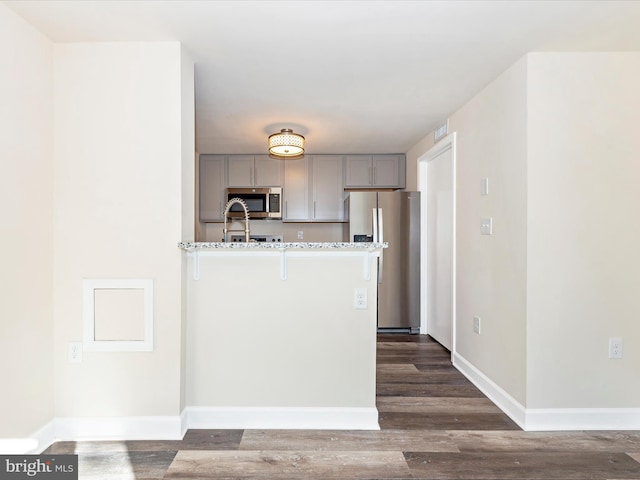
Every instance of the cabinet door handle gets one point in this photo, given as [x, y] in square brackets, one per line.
[255, 175]
[370, 175]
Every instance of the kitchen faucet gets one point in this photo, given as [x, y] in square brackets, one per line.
[230, 203]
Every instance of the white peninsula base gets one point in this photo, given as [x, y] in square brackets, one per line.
[274, 338]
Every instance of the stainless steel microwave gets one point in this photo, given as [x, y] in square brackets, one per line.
[262, 202]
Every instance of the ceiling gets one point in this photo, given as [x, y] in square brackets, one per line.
[351, 76]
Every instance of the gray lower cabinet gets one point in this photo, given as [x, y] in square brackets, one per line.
[211, 187]
[375, 171]
[314, 189]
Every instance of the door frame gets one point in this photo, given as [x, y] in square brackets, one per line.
[446, 143]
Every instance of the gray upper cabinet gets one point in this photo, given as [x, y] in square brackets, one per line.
[211, 187]
[327, 188]
[314, 189]
[297, 175]
[254, 171]
[375, 171]
[313, 186]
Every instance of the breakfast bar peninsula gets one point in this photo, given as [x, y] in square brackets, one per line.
[281, 335]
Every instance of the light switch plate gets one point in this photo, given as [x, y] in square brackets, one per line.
[476, 325]
[74, 352]
[484, 186]
[486, 226]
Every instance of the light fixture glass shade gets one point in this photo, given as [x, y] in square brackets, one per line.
[286, 144]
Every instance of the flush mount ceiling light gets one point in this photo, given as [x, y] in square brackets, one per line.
[286, 145]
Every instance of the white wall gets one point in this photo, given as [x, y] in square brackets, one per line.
[491, 270]
[26, 196]
[556, 136]
[413, 155]
[255, 340]
[118, 189]
[188, 216]
[187, 125]
[583, 229]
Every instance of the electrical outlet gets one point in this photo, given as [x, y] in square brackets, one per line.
[300, 234]
[476, 325]
[615, 348]
[360, 298]
[75, 352]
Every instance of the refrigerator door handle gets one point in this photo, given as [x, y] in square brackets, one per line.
[374, 224]
[380, 239]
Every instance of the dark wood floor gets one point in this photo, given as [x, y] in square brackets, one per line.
[434, 425]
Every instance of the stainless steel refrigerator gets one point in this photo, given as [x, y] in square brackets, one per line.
[392, 217]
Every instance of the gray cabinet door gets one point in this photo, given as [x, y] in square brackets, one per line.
[240, 171]
[211, 187]
[296, 190]
[375, 171]
[328, 188]
[254, 171]
[267, 171]
[388, 171]
[358, 171]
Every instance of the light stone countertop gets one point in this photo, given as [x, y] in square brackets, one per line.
[333, 246]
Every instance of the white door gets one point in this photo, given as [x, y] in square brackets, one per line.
[436, 171]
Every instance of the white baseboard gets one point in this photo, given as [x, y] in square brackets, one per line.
[119, 428]
[283, 418]
[33, 444]
[174, 427]
[549, 419]
[184, 426]
[20, 446]
[497, 395]
[97, 428]
[45, 437]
